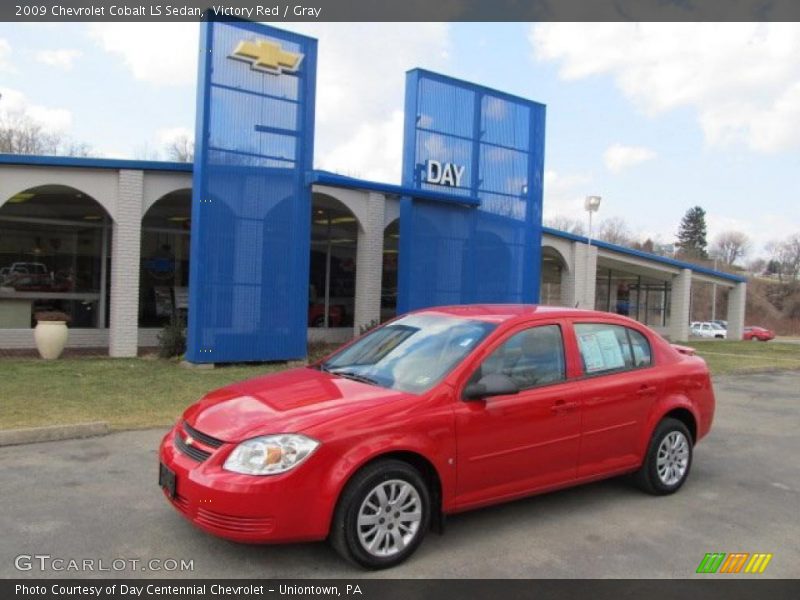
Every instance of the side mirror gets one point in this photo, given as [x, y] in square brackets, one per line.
[493, 384]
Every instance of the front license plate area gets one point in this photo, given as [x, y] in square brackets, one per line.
[166, 479]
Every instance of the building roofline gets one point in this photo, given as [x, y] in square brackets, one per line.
[94, 163]
[645, 255]
[335, 180]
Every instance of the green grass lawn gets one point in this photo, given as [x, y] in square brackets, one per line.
[129, 393]
[742, 357]
[147, 392]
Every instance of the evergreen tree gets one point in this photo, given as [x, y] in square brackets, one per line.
[692, 234]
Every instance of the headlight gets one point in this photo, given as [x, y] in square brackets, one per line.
[270, 454]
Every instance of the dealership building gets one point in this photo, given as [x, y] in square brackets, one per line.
[263, 253]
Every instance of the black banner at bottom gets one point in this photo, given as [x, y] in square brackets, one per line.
[391, 589]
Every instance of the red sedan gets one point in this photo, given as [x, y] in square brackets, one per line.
[437, 412]
[758, 333]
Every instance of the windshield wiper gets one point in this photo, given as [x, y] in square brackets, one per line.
[355, 376]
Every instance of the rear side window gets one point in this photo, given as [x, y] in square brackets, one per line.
[606, 348]
[642, 356]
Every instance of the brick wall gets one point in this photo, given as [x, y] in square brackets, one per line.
[125, 250]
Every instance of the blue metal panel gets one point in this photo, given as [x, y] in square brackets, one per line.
[451, 252]
[251, 203]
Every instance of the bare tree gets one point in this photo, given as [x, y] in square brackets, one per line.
[730, 246]
[146, 152]
[19, 134]
[565, 224]
[786, 256]
[180, 149]
[756, 266]
[615, 230]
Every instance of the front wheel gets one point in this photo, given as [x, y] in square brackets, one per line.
[382, 515]
[668, 460]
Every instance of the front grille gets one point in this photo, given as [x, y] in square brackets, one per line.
[192, 451]
[201, 437]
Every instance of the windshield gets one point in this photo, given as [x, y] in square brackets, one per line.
[411, 354]
[716, 326]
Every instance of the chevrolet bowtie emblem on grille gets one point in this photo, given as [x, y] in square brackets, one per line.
[267, 56]
[189, 440]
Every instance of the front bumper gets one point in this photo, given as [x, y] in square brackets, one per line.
[245, 508]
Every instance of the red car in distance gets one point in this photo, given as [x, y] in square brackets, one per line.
[436, 412]
[758, 333]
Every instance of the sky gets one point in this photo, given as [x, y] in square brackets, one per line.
[654, 117]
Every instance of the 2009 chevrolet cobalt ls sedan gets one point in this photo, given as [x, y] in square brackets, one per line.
[436, 412]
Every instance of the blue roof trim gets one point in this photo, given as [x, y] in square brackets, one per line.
[94, 163]
[332, 179]
[645, 255]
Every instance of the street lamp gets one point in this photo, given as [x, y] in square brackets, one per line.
[591, 204]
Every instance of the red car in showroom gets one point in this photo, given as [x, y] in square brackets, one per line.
[758, 333]
[436, 412]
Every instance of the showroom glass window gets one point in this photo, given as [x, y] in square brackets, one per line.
[54, 256]
[164, 272]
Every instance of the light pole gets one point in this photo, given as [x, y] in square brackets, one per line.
[591, 204]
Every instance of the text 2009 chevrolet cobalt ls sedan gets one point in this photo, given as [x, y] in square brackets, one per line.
[437, 412]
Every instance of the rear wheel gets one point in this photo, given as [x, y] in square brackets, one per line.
[668, 460]
[382, 516]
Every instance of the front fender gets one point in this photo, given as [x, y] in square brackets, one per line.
[434, 443]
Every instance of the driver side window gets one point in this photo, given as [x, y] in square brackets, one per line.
[529, 358]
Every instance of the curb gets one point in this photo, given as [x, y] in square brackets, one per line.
[33, 435]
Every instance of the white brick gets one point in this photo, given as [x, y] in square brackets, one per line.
[736, 307]
[680, 301]
[369, 263]
[125, 250]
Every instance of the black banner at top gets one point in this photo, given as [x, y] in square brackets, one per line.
[401, 10]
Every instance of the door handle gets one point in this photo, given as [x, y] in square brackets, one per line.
[563, 406]
[646, 390]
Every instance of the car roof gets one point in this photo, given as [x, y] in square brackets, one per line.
[499, 313]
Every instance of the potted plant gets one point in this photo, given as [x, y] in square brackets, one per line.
[51, 333]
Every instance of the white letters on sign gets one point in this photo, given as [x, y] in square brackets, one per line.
[444, 173]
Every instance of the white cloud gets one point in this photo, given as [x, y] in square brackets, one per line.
[618, 157]
[360, 80]
[159, 53]
[360, 83]
[373, 151]
[62, 58]
[564, 194]
[50, 119]
[742, 79]
[5, 53]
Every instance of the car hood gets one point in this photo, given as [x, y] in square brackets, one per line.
[286, 402]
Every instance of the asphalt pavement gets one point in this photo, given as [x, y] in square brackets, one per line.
[97, 499]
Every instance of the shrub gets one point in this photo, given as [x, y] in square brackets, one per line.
[172, 339]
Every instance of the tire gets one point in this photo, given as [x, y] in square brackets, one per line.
[318, 321]
[361, 497]
[676, 460]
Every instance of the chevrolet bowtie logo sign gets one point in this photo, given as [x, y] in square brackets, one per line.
[267, 56]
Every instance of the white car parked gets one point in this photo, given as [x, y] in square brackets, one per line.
[707, 329]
